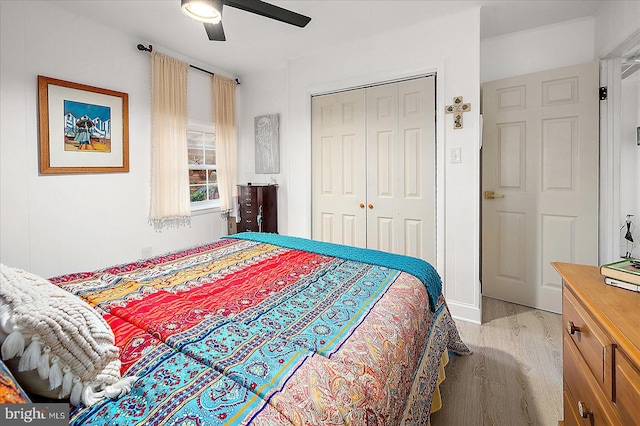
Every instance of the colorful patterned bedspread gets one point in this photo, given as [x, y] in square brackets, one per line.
[246, 332]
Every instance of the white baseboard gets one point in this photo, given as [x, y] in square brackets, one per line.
[465, 312]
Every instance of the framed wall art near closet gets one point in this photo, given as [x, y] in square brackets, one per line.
[83, 129]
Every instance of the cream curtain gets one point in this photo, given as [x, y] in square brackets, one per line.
[224, 117]
[170, 203]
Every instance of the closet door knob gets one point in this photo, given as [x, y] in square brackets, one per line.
[370, 206]
[362, 205]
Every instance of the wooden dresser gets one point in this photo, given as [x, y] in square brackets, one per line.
[601, 349]
[258, 200]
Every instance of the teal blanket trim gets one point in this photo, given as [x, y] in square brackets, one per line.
[414, 266]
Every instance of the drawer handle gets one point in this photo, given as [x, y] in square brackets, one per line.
[571, 327]
[248, 221]
[583, 410]
[248, 211]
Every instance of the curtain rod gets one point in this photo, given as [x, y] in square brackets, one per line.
[143, 48]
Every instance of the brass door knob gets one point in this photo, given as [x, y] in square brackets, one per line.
[490, 195]
[362, 205]
[571, 328]
[370, 206]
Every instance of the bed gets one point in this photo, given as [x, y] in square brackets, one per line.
[265, 329]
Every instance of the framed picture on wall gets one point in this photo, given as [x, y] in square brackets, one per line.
[267, 133]
[83, 129]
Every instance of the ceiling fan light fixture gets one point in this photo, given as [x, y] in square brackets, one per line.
[209, 11]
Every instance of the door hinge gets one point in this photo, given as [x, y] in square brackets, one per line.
[603, 93]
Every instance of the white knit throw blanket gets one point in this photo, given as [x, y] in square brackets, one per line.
[60, 335]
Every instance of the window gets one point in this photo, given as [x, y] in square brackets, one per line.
[203, 174]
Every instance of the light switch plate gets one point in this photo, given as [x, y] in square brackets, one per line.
[456, 155]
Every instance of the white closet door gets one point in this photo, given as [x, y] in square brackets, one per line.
[374, 175]
[338, 157]
[401, 175]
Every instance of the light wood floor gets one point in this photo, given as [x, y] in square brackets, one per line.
[514, 376]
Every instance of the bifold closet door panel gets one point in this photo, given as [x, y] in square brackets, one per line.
[401, 176]
[338, 168]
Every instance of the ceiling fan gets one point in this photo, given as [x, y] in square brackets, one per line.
[210, 13]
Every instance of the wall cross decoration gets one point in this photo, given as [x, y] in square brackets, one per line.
[457, 109]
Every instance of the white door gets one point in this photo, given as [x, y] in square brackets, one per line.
[339, 181]
[401, 178]
[540, 158]
[373, 167]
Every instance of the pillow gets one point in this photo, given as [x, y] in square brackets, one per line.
[59, 339]
[10, 390]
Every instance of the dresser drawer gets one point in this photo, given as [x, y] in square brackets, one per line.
[249, 212]
[590, 401]
[571, 414]
[250, 224]
[248, 199]
[247, 191]
[589, 339]
[627, 390]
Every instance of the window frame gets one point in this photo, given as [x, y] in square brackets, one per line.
[204, 127]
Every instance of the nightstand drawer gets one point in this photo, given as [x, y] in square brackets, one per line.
[627, 390]
[592, 404]
[589, 339]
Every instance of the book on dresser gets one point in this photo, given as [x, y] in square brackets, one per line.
[622, 284]
[625, 271]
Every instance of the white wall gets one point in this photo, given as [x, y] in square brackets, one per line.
[538, 49]
[263, 93]
[615, 22]
[58, 224]
[414, 50]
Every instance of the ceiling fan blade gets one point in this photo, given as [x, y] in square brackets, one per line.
[270, 11]
[215, 31]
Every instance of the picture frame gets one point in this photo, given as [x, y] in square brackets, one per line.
[82, 129]
[267, 144]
